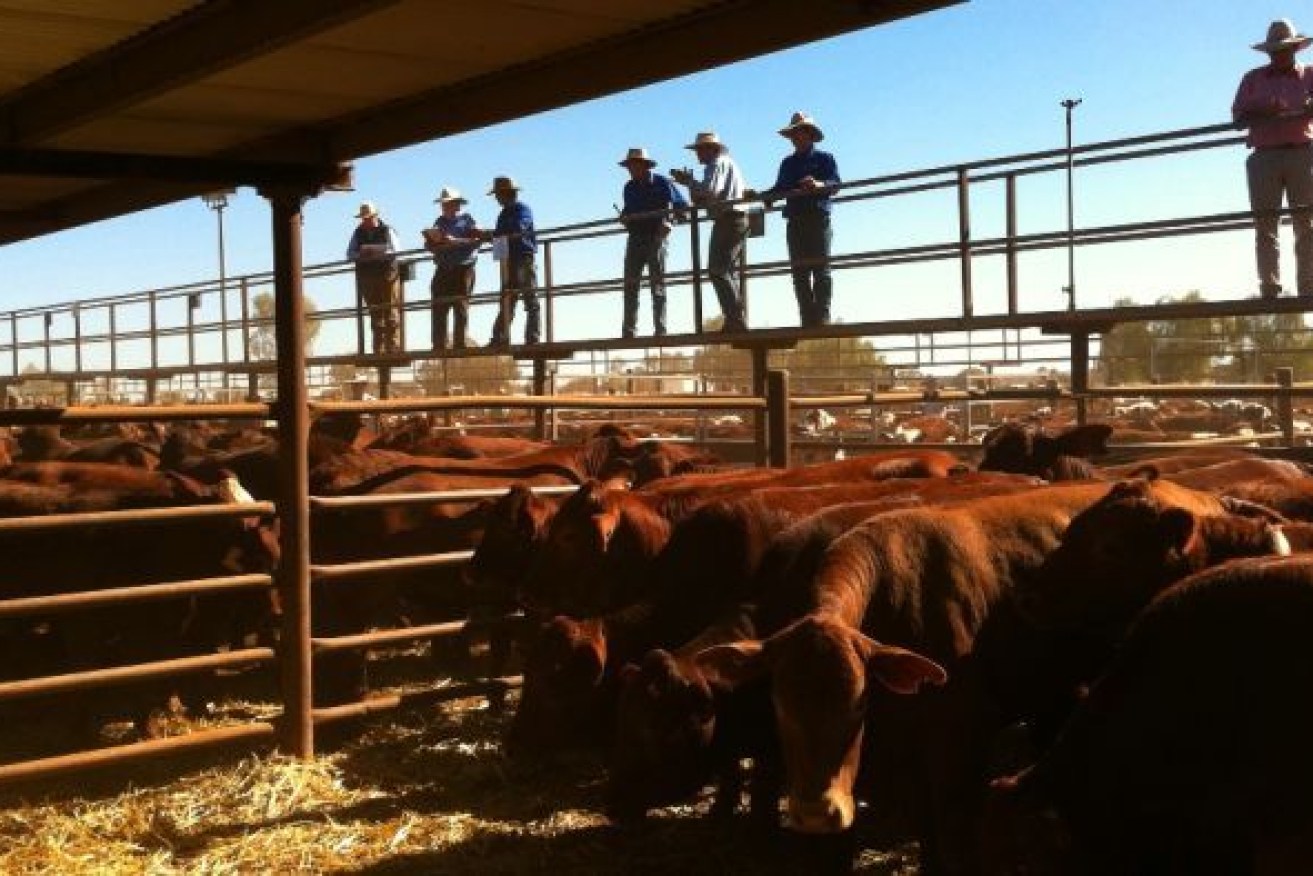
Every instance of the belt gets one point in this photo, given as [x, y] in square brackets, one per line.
[1283, 146]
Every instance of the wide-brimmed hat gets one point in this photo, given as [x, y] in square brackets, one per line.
[367, 210]
[637, 153]
[707, 138]
[802, 120]
[449, 194]
[503, 184]
[1282, 34]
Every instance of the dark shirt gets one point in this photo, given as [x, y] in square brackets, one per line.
[820, 166]
[449, 255]
[516, 220]
[652, 195]
[379, 234]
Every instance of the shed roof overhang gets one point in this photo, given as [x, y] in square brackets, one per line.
[113, 106]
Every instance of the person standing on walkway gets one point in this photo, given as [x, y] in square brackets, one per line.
[373, 248]
[1273, 102]
[807, 180]
[718, 190]
[454, 242]
[515, 244]
[649, 199]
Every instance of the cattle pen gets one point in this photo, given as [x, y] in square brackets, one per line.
[241, 350]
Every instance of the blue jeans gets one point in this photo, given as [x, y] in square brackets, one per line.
[809, 239]
[520, 282]
[645, 251]
[724, 254]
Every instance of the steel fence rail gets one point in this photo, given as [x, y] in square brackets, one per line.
[430, 498]
[134, 517]
[119, 596]
[96, 678]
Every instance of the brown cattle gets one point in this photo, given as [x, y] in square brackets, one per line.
[1191, 754]
[922, 580]
[1028, 449]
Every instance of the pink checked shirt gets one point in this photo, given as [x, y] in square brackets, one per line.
[1292, 91]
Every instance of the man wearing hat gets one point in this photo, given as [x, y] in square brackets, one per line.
[718, 191]
[1273, 102]
[806, 180]
[650, 199]
[454, 242]
[517, 246]
[373, 248]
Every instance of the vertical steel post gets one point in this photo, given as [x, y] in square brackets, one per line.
[1011, 248]
[77, 338]
[360, 320]
[13, 338]
[1069, 105]
[539, 390]
[549, 299]
[246, 320]
[191, 330]
[760, 435]
[154, 331]
[964, 239]
[49, 318]
[777, 415]
[385, 381]
[1285, 404]
[113, 338]
[695, 246]
[297, 727]
[1080, 372]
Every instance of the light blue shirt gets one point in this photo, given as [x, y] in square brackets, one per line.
[721, 181]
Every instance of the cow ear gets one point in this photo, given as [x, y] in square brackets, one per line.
[728, 666]
[1178, 527]
[605, 525]
[900, 670]
[1085, 441]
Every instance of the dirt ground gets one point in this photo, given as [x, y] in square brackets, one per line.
[420, 792]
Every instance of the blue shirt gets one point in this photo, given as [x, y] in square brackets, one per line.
[517, 219]
[813, 163]
[654, 194]
[450, 255]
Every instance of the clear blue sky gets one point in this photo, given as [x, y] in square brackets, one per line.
[972, 81]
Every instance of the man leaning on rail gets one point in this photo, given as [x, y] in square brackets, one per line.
[1274, 102]
[718, 190]
[454, 242]
[373, 248]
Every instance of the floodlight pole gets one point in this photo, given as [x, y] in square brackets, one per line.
[218, 202]
[1070, 104]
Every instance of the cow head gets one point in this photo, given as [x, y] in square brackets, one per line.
[569, 563]
[1021, 449]
[514, 527]
[1119, 553]
[559, 703]
[665, 723]
[822, 674]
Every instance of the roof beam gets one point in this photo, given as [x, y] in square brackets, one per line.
[69, 163]
[212, 37]
[720, 34]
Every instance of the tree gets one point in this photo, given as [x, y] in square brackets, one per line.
[468, 375]
[261, 340]
[833, 364]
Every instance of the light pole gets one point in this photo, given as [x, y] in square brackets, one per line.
[218, 202]
[1070, 104]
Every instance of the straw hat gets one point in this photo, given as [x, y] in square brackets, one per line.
[503, 184]
[637, 153]
[1282, 34]
[802, 120]
[707, 138]
[367, 210]
[449, 194]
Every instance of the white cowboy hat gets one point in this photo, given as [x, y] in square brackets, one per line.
[707, 138]
[1282, 34]
[637, 153]
[449, 194]
[367, 210]
[503, 184]
[802, 120]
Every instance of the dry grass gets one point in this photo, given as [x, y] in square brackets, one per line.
[422, 792]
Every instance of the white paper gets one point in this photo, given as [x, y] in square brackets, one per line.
[501, 248]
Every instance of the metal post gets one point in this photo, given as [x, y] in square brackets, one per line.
[246, 320]
[70, 393]
[964, 238]
[191, 329]
[252, 386]
[113, 338]
[360, 321]
[1011, 249]
[297, 727]
[553, 433]
[77, 339]
[539, 389]
[1069, 105]
[1285, 404]
[13, 337]
[385, 381]
[154, 331]
[777, 415]
[1080, 372]
[49, 318]
[695, 246]
[549, 300]
[760, 435]
[151, 386]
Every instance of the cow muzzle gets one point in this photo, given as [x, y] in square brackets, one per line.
[834, 812]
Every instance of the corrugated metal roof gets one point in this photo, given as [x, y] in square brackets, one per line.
[330, 80]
